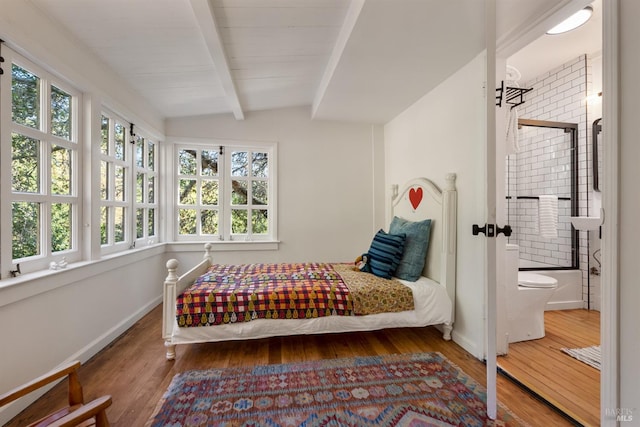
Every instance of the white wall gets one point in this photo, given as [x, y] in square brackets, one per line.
[445, 132]
[629, 205]
[325, 181]
[72, 314]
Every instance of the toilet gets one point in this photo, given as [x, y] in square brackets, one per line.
[527, 294]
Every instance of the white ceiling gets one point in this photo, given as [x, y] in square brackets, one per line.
[355, 60]
[551, 51]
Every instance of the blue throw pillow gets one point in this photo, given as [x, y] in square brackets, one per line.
[385, 253]
[416, 246]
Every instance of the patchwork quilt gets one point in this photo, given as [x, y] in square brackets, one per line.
[241, 293]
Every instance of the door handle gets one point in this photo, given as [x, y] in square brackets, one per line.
[491, 230]
[506, 230]
[488, 229]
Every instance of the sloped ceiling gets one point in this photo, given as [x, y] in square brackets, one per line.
[395, 55]
[353, 60]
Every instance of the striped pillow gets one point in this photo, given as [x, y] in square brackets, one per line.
[385, 253]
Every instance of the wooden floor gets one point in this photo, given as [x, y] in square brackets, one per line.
[134, 372]
[564, 381]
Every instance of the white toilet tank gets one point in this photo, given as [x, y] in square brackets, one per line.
[512, 263]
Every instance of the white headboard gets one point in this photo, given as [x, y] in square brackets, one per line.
[421, 199]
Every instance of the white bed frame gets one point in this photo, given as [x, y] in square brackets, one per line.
[438, 205]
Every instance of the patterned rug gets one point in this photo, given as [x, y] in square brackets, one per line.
[397, 390]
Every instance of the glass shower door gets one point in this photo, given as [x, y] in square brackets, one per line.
[546, 164]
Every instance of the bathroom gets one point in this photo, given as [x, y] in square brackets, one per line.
[551, 176]
[545, 164]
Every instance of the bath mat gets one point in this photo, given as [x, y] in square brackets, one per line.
[589, 355]
[423, 389]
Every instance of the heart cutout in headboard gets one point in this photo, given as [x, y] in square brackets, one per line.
[415, 197]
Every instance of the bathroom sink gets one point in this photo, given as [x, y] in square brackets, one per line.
[586, 222]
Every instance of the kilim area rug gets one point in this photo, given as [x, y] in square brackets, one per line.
[414, 390]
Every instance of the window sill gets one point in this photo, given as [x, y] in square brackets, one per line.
[224, 246]
[30, 284]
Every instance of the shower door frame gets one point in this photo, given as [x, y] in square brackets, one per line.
[571, 128]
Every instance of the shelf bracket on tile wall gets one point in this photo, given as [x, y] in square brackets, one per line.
[513, 96]
[1, 58]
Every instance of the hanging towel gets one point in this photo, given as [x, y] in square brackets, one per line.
[513, 145]
[548, 216]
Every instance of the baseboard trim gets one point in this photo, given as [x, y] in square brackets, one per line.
[466, 344]
[87, 352]
[564, 305]
[108, 337]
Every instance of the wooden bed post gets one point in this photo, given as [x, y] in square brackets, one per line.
[169, 310]
[174, 286]
[394, 196]
[446, 331]
[208, 249]
[449, 241]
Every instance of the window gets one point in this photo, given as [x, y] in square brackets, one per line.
[225, 192]
[115, 182]
[41, 175]
[128, 181]
[40, 153]
[146, 206]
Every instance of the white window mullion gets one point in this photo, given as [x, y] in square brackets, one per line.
[45, 113]
[125, 203]
[130, 198]
[225, 199]
[6, 127]
[250, 196]
[198, 184]
[45, 178]
[45, 236]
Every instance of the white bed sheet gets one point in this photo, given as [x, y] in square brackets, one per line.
[432, 307]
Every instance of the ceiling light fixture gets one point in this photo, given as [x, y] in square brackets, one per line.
[572, 22]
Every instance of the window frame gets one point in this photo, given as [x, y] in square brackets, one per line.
[147, 171]
[111, 203]
[129, 202]
[224, 206]
[45, 195]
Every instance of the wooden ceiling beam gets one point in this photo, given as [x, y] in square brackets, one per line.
[355, 7]
[203, 11]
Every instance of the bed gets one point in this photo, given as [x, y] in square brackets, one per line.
[433, 292]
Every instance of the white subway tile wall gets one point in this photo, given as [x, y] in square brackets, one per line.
[543, 165]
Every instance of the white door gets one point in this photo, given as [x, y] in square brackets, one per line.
[491, 276]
